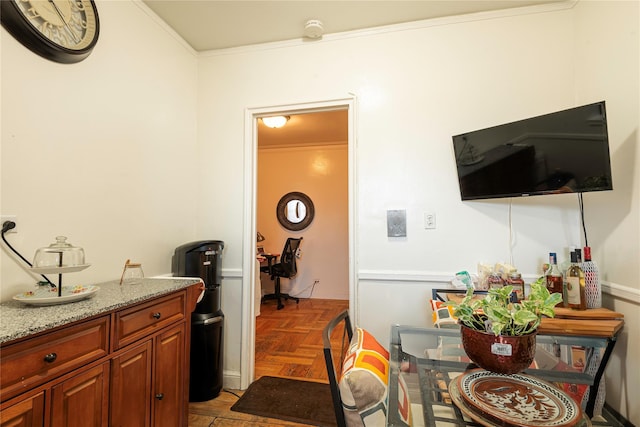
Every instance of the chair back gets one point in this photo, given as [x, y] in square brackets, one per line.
[334, 357]
[445, 295]
[288, 257]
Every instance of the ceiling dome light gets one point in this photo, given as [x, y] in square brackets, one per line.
[275, 121]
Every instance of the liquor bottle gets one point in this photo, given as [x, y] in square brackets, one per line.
[575, 283]
[592, 288]
[495, 280]
[553, 276]
[515, 280]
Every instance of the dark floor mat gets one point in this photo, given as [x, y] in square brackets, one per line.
[299, 401]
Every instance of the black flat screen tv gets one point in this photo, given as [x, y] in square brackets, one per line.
[561, 152]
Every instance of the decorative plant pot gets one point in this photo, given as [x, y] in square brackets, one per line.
[501, 354]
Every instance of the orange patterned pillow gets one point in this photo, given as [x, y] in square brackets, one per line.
[442, 314]
[363, 386]
[404, 404]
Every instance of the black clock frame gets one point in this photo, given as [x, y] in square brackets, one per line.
[21, 29]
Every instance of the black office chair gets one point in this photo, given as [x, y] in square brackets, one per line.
[441, 294]
[286, 268]
[337, 355]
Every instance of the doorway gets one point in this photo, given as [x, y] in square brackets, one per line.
[308, 156]
[303, 285]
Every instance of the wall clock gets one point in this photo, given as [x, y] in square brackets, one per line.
[60, 30]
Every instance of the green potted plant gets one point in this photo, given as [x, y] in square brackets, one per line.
[498, 334]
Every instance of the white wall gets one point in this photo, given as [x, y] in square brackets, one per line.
[607, 66]
[321, 173]
[415, 86]
[102, 151]
[147, 143]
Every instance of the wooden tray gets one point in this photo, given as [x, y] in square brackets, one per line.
[591, 313]
[582, 327]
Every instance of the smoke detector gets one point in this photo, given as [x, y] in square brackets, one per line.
[313, 29]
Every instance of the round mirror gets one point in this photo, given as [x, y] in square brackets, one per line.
[295, 211]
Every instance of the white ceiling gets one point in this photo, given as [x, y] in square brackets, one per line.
[211, 25]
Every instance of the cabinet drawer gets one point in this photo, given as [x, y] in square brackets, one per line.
[137, 322]
[29, 363]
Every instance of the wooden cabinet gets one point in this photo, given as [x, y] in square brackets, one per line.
[168, 387]
[137, 322]
[40, 359]
[147, 382]
[83, 400]
[26, 413]
[128, 367]
[79, 401]
[131, 387]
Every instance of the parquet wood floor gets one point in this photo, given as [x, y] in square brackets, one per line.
[288, 344]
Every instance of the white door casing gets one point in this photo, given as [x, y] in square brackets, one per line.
[248, 328]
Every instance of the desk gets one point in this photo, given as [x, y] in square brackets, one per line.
[270, 259]
[261, 258]
[428, 358]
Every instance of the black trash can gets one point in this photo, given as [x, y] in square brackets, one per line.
[203, 259]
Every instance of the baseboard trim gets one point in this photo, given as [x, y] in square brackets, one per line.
[231, 380]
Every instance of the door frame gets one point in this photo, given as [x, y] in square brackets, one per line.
[248, 327]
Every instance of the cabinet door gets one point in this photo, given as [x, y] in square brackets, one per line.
[131, 387]
[28, 413]
[83, 400]
[168, 380]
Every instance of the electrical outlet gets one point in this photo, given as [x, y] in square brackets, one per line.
[429, 220]
[12, 218]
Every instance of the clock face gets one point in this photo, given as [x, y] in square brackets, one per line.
[61, 30]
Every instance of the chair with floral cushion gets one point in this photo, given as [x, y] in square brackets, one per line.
[342, 325]
[360, 391]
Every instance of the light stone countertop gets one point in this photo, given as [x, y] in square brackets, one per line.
[18, 320]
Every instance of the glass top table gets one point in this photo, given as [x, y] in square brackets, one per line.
[428, 359]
